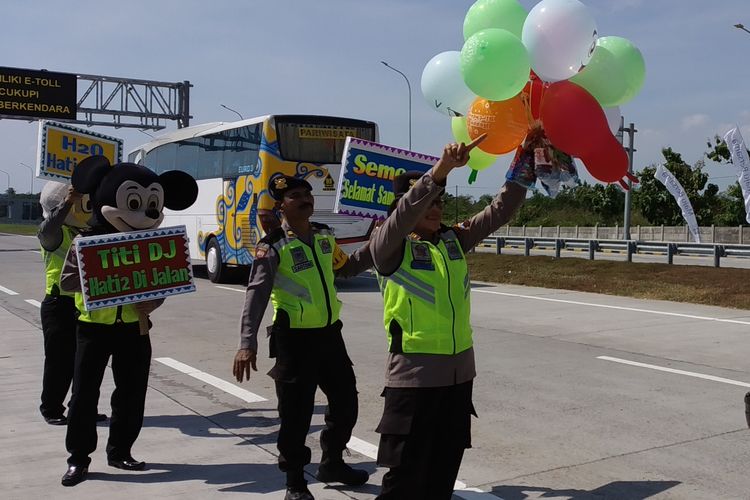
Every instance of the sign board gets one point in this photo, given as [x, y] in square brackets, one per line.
[61, 147]
[38, 94]
[366, 178]
[123, 268]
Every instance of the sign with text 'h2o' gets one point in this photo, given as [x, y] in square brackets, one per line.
[123, 268]
[61, 147]
[38, 94]
[367, 172]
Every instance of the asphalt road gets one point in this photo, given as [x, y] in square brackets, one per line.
[579, 396]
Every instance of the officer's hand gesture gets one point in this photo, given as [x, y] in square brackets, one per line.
[73, 196]
[454, 156]
[243, 361]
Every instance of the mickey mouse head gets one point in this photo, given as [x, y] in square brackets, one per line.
[130, 197]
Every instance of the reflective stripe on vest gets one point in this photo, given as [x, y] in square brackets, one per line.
[428, 295]
[54, 261]
[303, 286]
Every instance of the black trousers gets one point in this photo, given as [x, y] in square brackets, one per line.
[423, 435]
[58, 314]
[306, 360]
[131, 359]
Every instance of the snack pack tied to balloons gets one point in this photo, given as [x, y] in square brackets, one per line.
[536, 159]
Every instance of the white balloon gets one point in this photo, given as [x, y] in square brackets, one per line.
[443, 85]
[560, 36]
[614, 117]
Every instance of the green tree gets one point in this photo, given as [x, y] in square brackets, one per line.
[657, 204]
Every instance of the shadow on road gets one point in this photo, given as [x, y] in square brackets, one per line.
[616, 490]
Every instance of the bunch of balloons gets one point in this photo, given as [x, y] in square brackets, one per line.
[547, 67]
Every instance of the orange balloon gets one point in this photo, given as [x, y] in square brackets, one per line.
[504, 122]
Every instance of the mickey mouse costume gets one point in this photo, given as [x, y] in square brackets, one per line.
[124, 197]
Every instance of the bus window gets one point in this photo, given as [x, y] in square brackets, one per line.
[210, 157]
[241, 153]
[318, 143]
[166, 158]
[187, 156]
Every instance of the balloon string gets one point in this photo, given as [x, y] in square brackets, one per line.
[527, 108]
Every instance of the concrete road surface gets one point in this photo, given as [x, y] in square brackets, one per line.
[580, 396]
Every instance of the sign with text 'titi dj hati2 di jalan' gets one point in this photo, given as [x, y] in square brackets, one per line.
[61, 147]
[38, 94]
[366, 179]
[123, 268]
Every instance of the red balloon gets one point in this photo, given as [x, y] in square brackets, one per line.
[575, 123]
[534, 91]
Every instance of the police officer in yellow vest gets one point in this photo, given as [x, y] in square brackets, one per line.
[295, 266]
[426, 288]
[66, 213]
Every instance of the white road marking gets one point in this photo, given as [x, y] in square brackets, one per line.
[356, 444]
[7, 290]
[33, 302]
[37, 251]
[672, 370]
[229, 288]
[621, 308]
[371, 451]
[211, 380]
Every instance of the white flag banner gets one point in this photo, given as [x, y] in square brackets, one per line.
[675, 188]
[741, 162]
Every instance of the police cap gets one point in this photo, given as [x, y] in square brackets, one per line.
[283, 183]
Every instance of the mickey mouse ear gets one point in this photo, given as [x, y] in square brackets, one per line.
[89, 173]
[180, 189]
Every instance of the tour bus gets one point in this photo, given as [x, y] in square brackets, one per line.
[233, 164]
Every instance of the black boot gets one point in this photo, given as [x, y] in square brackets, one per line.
[296, 486]
[298, 493]
[74, 475]
[334, 470]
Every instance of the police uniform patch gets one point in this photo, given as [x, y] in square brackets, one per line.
[421, 256]
[261, 250]
[339, 258]
[325, 246]
[301, 262]
[454, 253]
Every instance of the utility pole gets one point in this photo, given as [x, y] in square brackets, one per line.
[628, 194]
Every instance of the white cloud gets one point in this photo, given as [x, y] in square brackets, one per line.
[694, 121]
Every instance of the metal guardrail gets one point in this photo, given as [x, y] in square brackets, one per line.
[628, 248]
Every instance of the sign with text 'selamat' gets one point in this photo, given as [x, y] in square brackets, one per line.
[61, 147]
[123, 268]
[38, 94]
[367, 172]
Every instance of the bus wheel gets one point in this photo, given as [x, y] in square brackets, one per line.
[214, 261]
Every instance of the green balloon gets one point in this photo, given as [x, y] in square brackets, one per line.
[478, 159]
[495, 64]
[504, 14]
[630, 60]
[603, 77]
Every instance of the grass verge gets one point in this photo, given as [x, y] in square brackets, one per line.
[25, 229]
[725, 287]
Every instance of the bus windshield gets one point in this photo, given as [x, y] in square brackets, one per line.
[318, 140]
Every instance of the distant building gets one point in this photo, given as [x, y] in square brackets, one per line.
[20, 209]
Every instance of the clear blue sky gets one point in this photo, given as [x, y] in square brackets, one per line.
[297, 56]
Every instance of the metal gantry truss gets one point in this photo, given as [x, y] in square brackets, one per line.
[142, 104]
